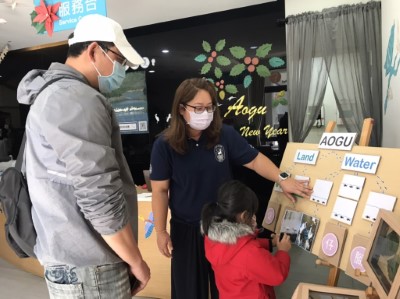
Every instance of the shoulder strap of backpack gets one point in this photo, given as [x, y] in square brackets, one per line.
[20, 162]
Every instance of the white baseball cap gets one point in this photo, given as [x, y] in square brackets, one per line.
[96, 27]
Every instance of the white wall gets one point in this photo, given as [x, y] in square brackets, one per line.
[391, 133]
[294, 7]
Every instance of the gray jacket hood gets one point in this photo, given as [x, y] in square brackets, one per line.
[227, 232]
[34, 80]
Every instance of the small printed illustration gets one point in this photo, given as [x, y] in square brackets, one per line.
[301, 228]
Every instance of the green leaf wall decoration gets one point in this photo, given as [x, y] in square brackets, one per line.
[239, 62]
[230, 88]
[206, 46]
[238, 52]
[237, 70]
[220, 45]
[276, 62]
[247, 81]
[206, 68]
[263, 71]
[218, 73]
[263, 50]
[223, 60]
[200, 58]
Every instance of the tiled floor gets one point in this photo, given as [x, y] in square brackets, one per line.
[304, 269]
[17, 284]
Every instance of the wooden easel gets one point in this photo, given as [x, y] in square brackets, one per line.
[365, 137]
[370, 291]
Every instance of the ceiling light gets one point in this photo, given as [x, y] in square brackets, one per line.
[253, 47]
[165, 51]
[152, 71]
[2, 21]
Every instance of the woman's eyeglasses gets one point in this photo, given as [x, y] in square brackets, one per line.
[200, 109]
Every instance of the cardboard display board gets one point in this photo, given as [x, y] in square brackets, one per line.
[349, 214]
[332, 243]
[271, 216]
[355, 268]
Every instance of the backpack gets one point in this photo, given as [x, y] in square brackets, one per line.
[16, 204]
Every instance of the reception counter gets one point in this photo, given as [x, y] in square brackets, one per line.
[160, 284]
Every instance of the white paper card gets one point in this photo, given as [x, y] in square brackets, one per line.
[344, 210]
[306, 157]
[361, 163]
[277, 187]
[321, 191]
[351, 186]
[302, 178]
[337, 141]
[375, 202]
[370, 213]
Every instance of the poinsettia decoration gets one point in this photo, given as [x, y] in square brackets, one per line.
[43, 17]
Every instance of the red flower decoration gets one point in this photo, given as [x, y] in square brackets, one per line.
[47, 15]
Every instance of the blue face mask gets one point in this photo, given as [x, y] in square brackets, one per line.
[109, 83]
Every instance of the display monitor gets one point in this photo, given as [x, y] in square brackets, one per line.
[316, 291]
[382, 257]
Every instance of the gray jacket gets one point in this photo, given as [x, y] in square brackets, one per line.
[79, 182]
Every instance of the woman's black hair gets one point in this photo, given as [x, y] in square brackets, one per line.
[234, 198]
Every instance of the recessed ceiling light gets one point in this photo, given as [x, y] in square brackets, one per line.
[165, 51]
[152, 71]
[2, 21]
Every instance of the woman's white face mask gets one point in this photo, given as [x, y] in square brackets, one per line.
[200, 121]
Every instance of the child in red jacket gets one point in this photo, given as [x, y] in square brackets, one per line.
[243, 265]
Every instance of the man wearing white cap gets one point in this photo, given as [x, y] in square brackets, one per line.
[84, 203]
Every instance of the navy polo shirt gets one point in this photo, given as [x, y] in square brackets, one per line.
[196, 176]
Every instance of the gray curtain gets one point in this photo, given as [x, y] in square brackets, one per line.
[307, 73]
[354, 62]
[348, 38]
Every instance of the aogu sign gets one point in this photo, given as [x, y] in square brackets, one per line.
[337, 141]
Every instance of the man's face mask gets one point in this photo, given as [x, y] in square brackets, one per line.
[109, 83]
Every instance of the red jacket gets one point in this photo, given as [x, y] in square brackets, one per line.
[243, 265]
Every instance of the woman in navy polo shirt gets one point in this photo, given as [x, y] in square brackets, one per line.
[189, 162]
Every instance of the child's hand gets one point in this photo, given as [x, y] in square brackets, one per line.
[285, 244]
[274, 239]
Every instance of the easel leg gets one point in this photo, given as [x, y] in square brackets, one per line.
[333, 276]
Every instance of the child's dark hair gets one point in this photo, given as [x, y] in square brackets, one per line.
[233, 198]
